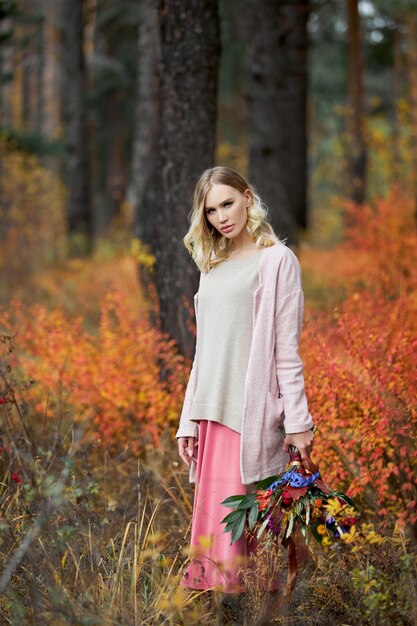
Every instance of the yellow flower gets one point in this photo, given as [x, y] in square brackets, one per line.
[326, 541]
[333, 507]
[349, 536]
[322, 529]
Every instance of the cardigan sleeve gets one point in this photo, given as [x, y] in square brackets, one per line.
[289, 312]
[187, 427]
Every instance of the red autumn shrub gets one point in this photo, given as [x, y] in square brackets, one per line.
[127, 381]
[361, 363]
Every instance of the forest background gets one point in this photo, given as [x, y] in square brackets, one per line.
[110, 110]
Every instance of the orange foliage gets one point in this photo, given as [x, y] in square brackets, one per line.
[379, 250]
[361, 361]
[127, 381]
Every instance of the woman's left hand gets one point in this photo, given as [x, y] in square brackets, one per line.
[304, 442]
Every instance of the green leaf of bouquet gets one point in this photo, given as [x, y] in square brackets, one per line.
[233, 501]
[253, 515]
[264, 484]
[233, 516]
[316, 535]
[247, 502]
[229, 526]
[238, 528]
[250, 498]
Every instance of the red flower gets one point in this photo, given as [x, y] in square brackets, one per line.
[15, 477]
[2, 400]
[286, 498]
[263, 498]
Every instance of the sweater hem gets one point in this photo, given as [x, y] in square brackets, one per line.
[276, 471]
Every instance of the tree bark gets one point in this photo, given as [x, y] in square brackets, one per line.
[296, 18]
[277, 95]
[189, 31]
[113, 38]
[398, 80]
[7, 51]
[144, 190]
[356, 99]
[74, 84]
[411, 23]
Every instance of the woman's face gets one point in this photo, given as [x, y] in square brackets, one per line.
[226, 209]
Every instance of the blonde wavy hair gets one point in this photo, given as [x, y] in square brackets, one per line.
[207, 246]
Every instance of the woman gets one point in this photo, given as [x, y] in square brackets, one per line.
[247, 376]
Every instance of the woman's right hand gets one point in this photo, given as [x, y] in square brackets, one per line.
[187, 448]
[304, 442]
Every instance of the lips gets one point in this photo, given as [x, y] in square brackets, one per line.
[227, 229]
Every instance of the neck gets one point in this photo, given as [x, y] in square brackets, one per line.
[241, 242]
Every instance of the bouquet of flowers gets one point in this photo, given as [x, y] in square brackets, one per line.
[297, 499]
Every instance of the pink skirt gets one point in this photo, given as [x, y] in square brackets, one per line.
[214, 562]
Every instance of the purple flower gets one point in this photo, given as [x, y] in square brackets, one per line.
[275, 529]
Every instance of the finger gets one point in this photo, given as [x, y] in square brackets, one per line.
[186, 459]
[182, 444]
[303, 452]
[190, 447]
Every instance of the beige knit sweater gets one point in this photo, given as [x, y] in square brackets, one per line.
[224, 336]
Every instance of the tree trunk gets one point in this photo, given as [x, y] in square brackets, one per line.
[356, 98]
[74, 84]
[7, 51]
[144, 189]
[276, 93]
[295, 17]
[189, 69]
[411, 23]
[114, 60]
[398, 79]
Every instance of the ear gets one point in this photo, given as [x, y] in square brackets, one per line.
[248, 196]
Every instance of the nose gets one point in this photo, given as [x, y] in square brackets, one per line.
[222, 217]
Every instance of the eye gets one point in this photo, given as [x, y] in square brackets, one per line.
[209, 211]
[229, 203]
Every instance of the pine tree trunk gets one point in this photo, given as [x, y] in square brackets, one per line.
[356, 98]
[189, 69]
[411, 23]
[74, 88]
[295, 16]
[52, 71]
[398, 77]
[147, 126]
[7, 50]
[276, 93]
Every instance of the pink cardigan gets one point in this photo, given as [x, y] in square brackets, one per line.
[274, 385]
